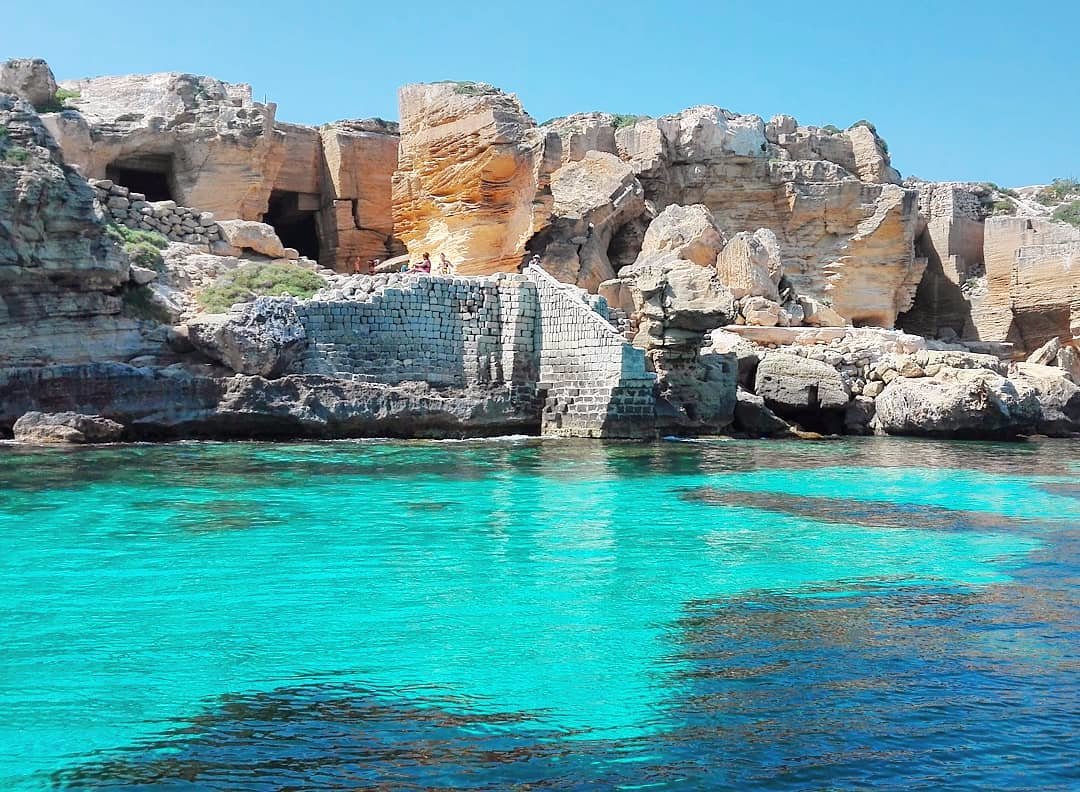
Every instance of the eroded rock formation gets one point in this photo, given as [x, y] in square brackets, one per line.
[467, 176]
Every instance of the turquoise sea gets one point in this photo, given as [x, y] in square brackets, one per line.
[520, 613]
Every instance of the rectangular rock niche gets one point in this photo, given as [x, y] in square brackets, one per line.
[149, 174]
[292, 215]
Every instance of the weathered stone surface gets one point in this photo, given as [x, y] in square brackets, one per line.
[839, 237]
[750, 265]
[249, 235]
[819, 314]
[60, 274]
[66, 427]
[753, 418]
[360, 158]
[760, 312]
[593, 198]
[950, 238]
[1058, 395]
[172, 403]
[1032, 291]
[859, 416]
[467, 175]
[218, 148]
[30, 79]
[793, 386]
[264, 337]
[957, 403]
[690, 232]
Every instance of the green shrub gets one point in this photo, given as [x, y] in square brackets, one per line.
[57, 103]
[625, 119]
[999, 189]
[1069, 213]
[145, 255]
[4, 133]
[246, 283]
[16, 155]
[865, 123]
[137, 302]
[133, 236]
[470, 88]
[1057, 191]
[829, 129]
[1004, 208]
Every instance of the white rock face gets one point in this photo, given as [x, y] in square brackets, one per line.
[261, 338]
[249, 235]
[750, 265]
[957, 403]
[220, 148]
[592, 198]
[690, 232]
[30, 79]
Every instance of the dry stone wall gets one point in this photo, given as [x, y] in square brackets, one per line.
[176, 223]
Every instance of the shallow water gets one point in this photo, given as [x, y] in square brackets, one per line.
[720, 614]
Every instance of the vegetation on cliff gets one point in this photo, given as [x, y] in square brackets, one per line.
[143, 248]
[246, 283]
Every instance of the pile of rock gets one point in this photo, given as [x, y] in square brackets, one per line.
[866, 380]
[176, 223]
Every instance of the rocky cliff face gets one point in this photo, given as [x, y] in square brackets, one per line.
[60, 275]
[472, 162]
[208, 140]
[467, 175]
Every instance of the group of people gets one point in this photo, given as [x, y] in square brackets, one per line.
[425, 265]
[441, 267]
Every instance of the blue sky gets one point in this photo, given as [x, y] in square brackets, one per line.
[986, 91]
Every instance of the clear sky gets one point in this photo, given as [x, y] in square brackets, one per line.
[982, 91]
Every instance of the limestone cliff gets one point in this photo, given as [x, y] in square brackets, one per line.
[467, 175]
[207, 140]
[60, 275]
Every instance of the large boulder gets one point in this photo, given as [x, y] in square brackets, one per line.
[263, 337]
[66, 427]
[690, 232]
[965, 403]
[808, 391]
[30, 79]
[1058, 395]
[250, 235]
[750, 265]
[753, 418]
[593, 198]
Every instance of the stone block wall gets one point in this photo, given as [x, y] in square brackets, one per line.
[177, 223]
[596, 383]
[459, 332]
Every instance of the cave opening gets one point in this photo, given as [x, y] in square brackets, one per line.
[296, 227]
[150, 174]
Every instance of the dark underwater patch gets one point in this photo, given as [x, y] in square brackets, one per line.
[850, 511]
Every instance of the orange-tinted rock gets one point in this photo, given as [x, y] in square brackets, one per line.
[467, 177]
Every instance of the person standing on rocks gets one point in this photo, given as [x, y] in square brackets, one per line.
[445, 267]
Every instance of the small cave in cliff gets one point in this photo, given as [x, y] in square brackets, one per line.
[296, 227]
[151, 175]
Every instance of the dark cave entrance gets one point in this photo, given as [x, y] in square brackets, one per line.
[296, 227]
[150, 175]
